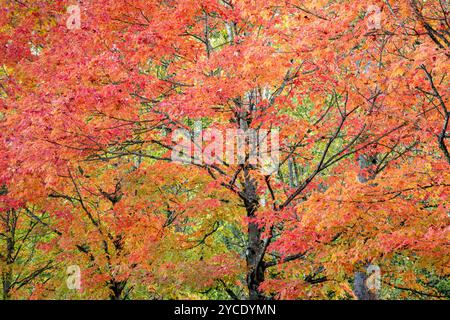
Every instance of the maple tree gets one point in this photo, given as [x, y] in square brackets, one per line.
[358, 92]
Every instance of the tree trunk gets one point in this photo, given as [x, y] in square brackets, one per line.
[361, 289]
[7, 273]
[255, 245]
[117, 290]
[255, 269]
[6, 283]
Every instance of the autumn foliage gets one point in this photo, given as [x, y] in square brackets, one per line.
[358, 91]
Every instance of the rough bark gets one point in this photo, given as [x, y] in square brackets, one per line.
[117, 290]
[361, 288]
[10, 223]
[255, 247]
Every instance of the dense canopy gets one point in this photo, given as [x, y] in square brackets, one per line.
[93, 94]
